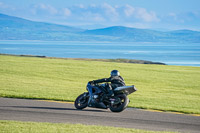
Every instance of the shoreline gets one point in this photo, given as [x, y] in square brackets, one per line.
[118, 60]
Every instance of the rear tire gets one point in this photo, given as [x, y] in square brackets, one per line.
[120, 106]
[81, 102]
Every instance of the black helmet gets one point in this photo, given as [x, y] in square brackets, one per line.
[114, 73]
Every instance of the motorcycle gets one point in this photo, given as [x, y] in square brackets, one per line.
[96, 97]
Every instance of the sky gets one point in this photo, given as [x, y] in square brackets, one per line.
[91, 14]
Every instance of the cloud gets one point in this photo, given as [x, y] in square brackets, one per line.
[92, 17]
[129, 10]
[102, 14]
[81, 6]
[44, 9]
[1, 4]
[4, 6]
[190, 16]
[138, 25]
[140, 14]
[115, 14]
[182, 20]
[96, 14]
[66, 12]
[109, 10]
[143, 14]
[186, 17]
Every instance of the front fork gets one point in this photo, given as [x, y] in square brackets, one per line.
[90, 95]
[85, 96]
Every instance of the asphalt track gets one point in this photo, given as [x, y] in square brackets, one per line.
[55, 112]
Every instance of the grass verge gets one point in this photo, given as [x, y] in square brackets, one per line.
[160, 87]
[39, 127]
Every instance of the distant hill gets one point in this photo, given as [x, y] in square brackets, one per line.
[14, 28]
[146, 35]
[19, 23]
[128, 34]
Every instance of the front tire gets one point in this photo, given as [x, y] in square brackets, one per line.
[81, 101]
[121, 105]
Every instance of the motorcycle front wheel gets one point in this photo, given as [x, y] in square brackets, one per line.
[81, 102]
[121, 105]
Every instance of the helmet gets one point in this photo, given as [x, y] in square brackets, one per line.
[114, 73]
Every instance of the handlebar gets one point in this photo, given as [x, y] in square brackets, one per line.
[92, 83]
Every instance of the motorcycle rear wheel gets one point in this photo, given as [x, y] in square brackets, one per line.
[120, 106]
[81, 102]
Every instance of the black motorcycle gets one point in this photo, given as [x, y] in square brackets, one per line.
[96, 97]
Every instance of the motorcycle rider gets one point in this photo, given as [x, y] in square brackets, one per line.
[115, 79]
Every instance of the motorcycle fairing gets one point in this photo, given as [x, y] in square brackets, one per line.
[92, 102]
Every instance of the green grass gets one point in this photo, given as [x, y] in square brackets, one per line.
[38, 127]
[161, 87]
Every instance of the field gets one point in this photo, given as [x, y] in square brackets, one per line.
[160, 87]
[33, 127]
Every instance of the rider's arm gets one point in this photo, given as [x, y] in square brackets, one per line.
[102, 80]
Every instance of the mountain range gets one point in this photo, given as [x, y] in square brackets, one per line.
[15, 28]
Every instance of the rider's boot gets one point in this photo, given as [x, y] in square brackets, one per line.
[110, 93]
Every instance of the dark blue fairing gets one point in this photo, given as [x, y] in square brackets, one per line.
[94, 90]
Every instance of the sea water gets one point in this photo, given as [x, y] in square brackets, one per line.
[187, 54]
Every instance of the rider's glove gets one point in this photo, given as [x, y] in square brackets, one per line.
[91, 82]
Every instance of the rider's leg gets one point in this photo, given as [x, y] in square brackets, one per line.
[109, 90]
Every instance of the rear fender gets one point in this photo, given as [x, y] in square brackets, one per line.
[125, 90]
